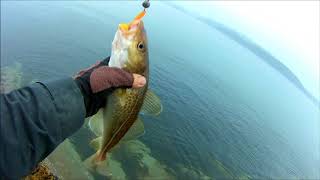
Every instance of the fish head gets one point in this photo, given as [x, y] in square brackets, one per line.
[130, 47]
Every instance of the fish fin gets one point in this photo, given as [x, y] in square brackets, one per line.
[89, 162]
[96, 143]
[93, 165]
[151, 104]
[103, 168]
[135, 131]
[96, 123]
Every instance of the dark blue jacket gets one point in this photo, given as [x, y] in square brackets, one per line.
[34, 121]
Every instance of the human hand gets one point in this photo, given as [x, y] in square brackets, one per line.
[98, 80]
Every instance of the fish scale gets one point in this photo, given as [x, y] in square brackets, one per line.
[119, 119]
[125, 115]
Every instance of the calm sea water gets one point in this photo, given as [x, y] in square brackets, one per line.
[226, 114]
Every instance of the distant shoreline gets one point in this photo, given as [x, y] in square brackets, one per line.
[254, 48]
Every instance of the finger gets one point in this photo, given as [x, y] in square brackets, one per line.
[138, 81]
[105, 77]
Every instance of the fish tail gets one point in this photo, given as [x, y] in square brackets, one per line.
[101, 156]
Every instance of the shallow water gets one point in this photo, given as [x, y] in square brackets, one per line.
[227, 113]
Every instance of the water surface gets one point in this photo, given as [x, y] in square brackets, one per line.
[227, 113]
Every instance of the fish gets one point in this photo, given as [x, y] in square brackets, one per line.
[120, 119]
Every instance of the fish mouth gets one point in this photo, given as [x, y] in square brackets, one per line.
[133, 26]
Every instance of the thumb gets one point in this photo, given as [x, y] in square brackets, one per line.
[138, 81]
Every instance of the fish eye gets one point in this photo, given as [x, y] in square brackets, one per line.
[140, 46]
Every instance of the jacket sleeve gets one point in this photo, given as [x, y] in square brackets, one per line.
[34, 121]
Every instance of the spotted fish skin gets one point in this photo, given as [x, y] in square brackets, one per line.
[129, 52]
[125, 106]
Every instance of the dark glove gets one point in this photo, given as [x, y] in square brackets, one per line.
[97, 81]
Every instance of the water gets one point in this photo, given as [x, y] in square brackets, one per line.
[227, 113]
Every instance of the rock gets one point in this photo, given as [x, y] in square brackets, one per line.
[191, 173]
[219, 170]
[10, 78]
[138, 162]
[117, 171]
[115, 168]
[67, 164]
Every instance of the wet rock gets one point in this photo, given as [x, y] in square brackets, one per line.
[219, 170]
[191, 173]
[117, 171]
[67, 164]
[137, 161]
[11, 77]
[115, 168]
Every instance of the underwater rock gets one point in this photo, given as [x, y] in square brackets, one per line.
[116, 169]
[110, 168]
[67, 163]
[220, 171]
[138, 162]
[191, 173]
[133, 159]
[10, 78]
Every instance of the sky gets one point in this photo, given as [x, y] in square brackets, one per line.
[289, 30]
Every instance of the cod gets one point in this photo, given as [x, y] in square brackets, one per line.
[119, 121]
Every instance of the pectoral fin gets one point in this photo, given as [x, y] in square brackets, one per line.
[96, 143]
[96, 123]
[135, 131]
[151, 104]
